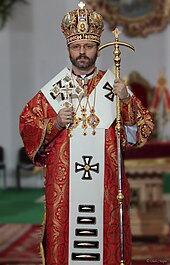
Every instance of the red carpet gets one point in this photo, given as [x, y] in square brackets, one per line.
[151, 252]
[19, 245]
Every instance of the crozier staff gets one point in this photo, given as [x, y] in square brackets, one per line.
[69, 127]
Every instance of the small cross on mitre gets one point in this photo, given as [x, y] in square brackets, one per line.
[81, 5]
[116, 32]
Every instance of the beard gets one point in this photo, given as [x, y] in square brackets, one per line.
[83, 62]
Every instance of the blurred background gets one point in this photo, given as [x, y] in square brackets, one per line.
[32, 51]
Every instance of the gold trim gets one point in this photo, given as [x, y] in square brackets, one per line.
[147, 161]
[83, 36]
[41, 244]
[42, 254]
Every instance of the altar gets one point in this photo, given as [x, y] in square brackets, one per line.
[148, 171]
[152, 158]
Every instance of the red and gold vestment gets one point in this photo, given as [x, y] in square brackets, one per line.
[49, 147]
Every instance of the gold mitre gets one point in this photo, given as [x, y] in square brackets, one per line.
[82, 24]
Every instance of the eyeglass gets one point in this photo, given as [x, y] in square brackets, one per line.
[87, 47]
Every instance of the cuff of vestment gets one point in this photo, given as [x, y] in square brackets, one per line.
[128, 110]
[53, 129]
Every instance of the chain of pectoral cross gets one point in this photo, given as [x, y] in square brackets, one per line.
[67, 92]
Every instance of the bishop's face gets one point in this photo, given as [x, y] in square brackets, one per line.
[83, 54]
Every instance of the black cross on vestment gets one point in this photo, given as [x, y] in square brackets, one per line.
[64, 90]
[110, 95]
[56, 89]
[87, 167]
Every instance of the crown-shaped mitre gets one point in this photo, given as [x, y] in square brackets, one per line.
[82, 24]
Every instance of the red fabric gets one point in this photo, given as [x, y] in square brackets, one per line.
[164, 93]
[152, 149]
[140, 93]
[36, 117]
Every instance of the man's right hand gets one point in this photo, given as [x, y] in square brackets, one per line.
[64, 117]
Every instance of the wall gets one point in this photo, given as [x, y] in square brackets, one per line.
[33, 50]
[5, 90]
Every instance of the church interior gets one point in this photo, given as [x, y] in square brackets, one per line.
[32, 51]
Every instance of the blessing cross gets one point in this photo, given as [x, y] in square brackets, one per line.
[68, 87]
[65, 90]
[87, 167]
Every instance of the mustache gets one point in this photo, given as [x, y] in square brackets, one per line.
[82, 57]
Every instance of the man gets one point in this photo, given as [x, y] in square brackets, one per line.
[70, 128]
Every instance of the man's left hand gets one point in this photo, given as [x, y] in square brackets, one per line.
[120, 89]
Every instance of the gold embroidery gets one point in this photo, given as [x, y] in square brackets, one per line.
[144, 122]
[49, 127]
[92, 120]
